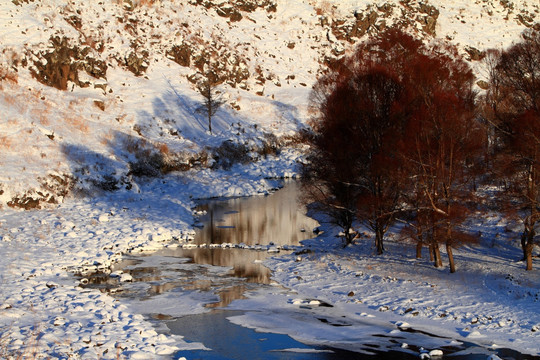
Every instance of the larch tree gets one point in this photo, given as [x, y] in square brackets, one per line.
[512, 108]
[212, 100]
[353, 169]
[441, 146]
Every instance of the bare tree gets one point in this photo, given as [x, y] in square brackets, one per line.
[212, 100]
[512, 107]
[441, 146]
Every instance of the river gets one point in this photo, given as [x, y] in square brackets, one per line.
[189, 290]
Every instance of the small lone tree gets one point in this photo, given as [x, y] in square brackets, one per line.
[212, 100]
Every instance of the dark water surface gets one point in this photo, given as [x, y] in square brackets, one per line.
[243, 343]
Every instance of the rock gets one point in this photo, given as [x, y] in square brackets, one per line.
[100, 104]
[136, 63]
[62, 64]
[402, 325]
[180, 54]
[475, 54]
[125, 277]
[484, 85]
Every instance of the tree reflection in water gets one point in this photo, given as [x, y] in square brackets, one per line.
[247, 225]
[260, 220]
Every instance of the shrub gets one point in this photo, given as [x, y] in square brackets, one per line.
[230, 153]
[270, 145]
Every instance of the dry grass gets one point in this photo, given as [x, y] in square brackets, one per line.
[8, 75]
[147, 2]
[163, 149]
[137, 3]
[324, 7]
[134, 145]
[78, 123]
[5, 142]
[41, 114]
[28, 350]
[14, 101]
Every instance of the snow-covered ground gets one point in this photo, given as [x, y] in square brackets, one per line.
[85, 139]
[44, 313]
[491, 300]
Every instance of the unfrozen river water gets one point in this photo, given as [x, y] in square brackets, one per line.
[189, 291]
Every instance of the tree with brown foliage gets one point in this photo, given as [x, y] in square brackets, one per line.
[512, 108]
[441, 146]
[353, 169]
[396, 122]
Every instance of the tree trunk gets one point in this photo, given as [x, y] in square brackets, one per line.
[438, 253]
[529, 261]
[419, 250]
[348, 237]
[431, 252]
[529, 249]
[209, 122]
[379, 235]
[450, 257]
[437, 256]
[524, 244]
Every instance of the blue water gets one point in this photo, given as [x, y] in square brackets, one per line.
[231, 341]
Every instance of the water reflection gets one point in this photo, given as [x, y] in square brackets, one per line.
[251, 223]
[277, 219]
[235, 235]
[245, 264]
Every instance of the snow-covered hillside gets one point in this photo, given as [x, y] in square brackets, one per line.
[95, 93]
[88, 88]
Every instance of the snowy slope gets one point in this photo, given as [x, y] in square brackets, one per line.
[128, 99]
[128, 64]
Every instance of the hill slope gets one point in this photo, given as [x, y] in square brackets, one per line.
[93, 93]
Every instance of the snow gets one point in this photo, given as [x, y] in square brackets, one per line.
[46, 135]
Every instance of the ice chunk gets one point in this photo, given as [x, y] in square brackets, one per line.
[126, 277]
[435, 352]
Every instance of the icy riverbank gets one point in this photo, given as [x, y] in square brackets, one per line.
[43, 311]
[491, 300]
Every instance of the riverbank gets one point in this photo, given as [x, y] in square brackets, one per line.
[491, 300]
[43, 311]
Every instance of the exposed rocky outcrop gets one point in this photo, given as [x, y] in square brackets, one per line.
[53, 189]
[376, 18]
[475, 54]
[181, 54]
[62, 64]
[216, 58]
[136, 62]
[232, 9]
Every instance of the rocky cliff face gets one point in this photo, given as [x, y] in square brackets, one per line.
[94, 86]
[133, 34]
